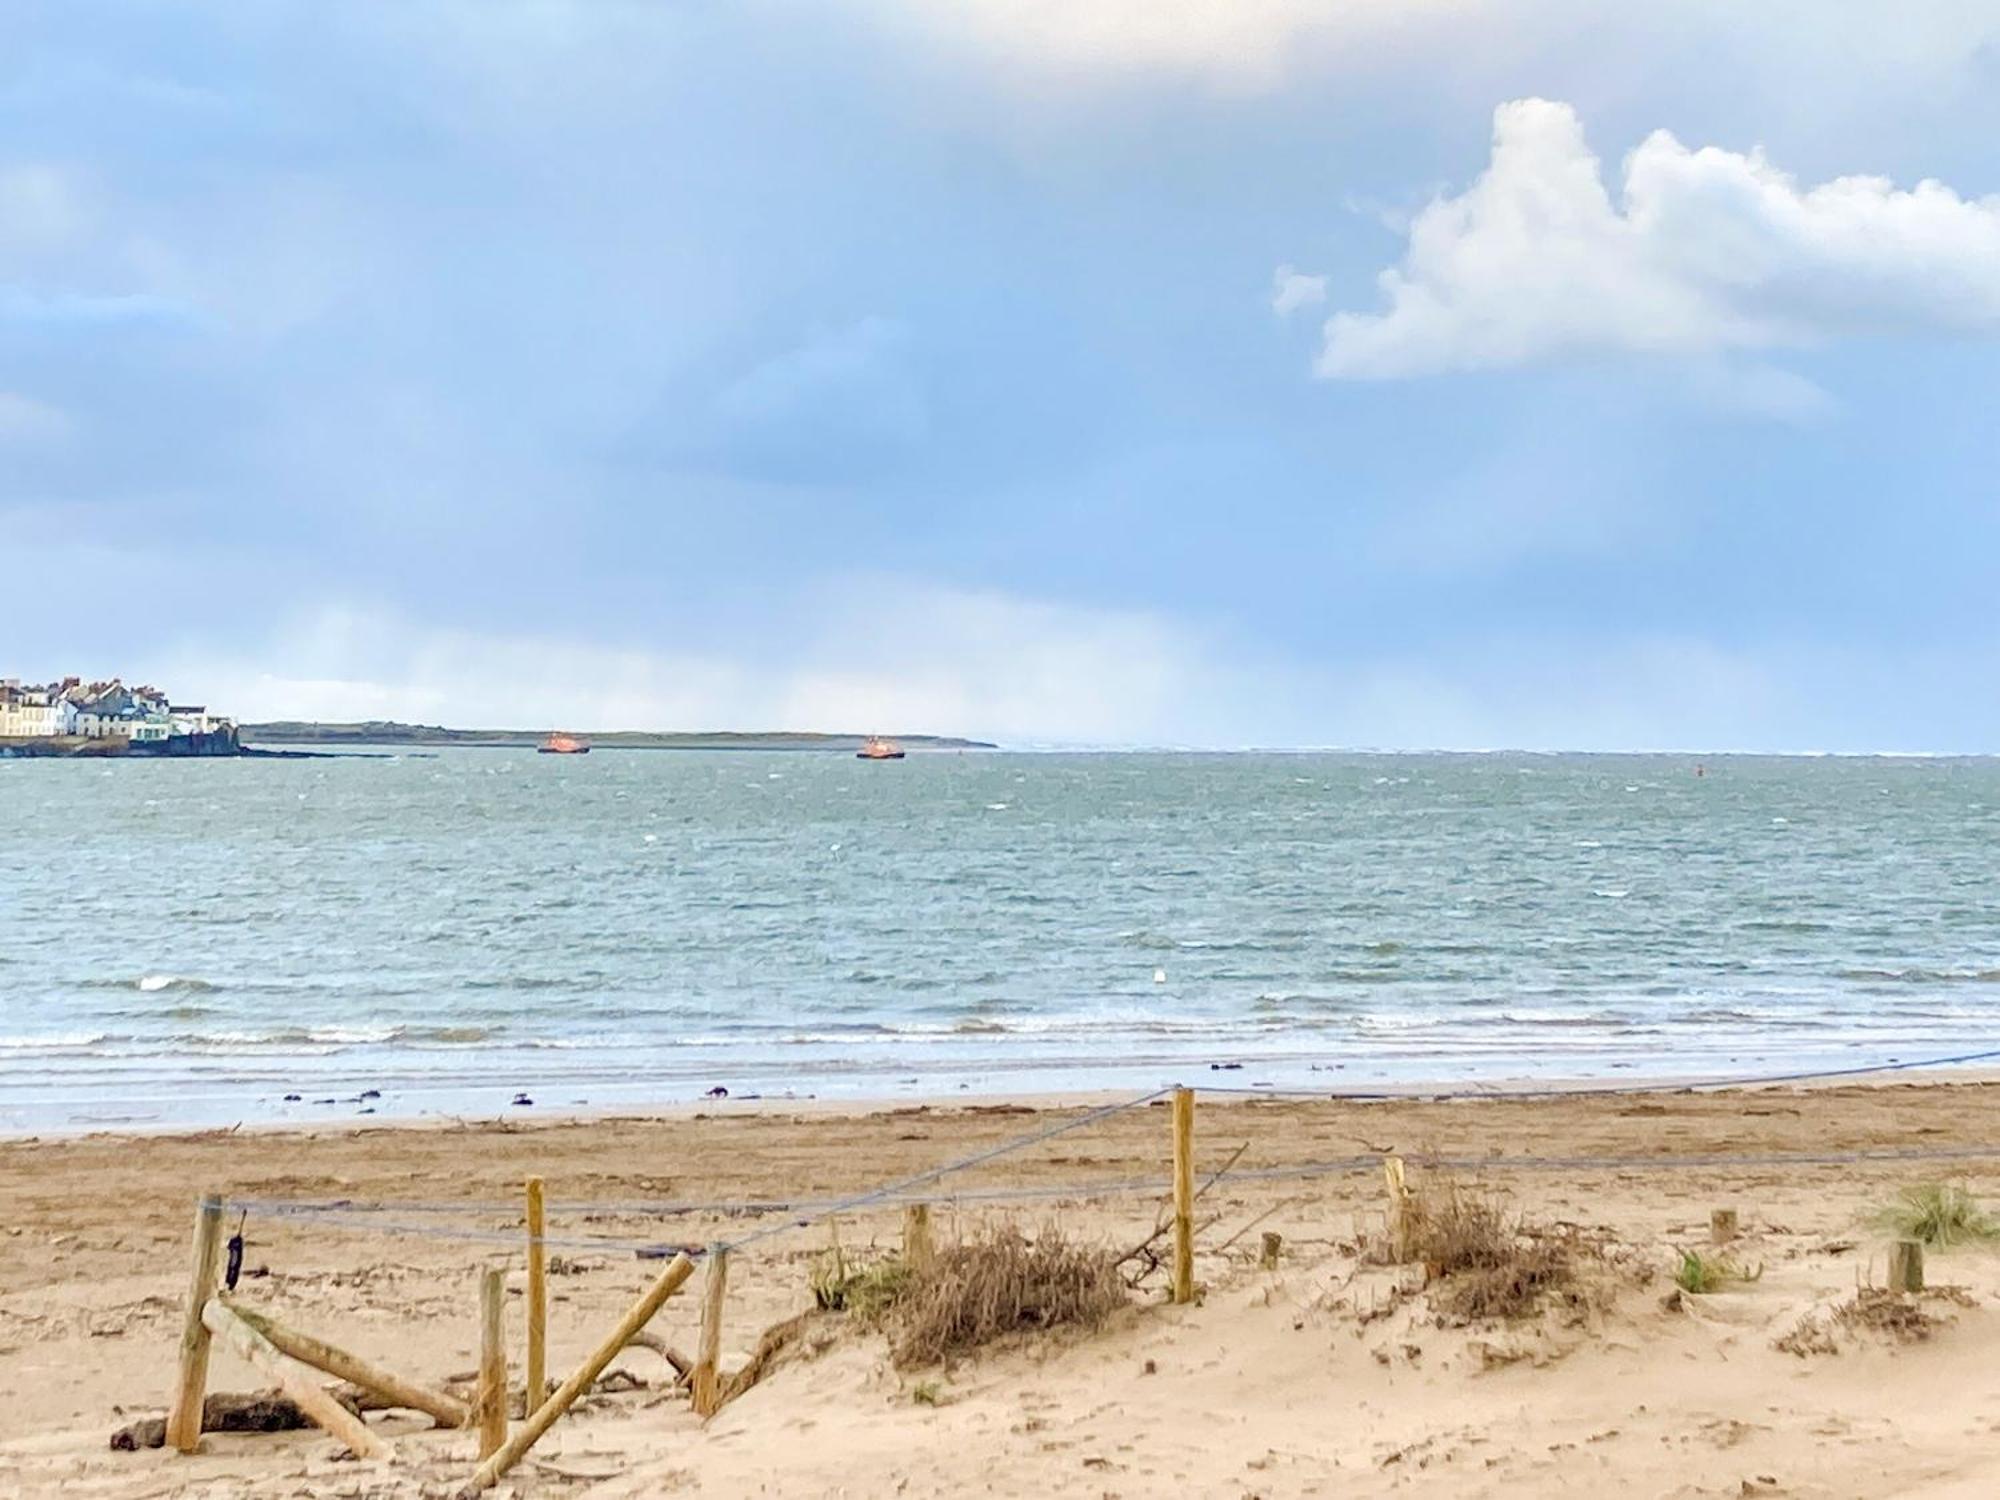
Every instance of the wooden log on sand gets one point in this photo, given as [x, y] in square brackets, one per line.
[250, 1345]
[543, 1417]
[387, 1386]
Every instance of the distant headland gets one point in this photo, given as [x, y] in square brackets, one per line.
[390, 732]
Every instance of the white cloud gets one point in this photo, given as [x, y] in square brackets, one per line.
[882, 655]
[40, 209]
[907, 657]
[844, 404]
[1238, 43]
[1703, 251]
[1291, 290]
[24, 420]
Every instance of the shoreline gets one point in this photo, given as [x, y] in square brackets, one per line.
[1444, 1092]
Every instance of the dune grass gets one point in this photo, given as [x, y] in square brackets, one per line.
[1000, 1283]
[1488, 1264]
[1699, 1273]
[1940, 1214]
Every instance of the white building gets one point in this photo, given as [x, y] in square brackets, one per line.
[32, 713]
[98, 711]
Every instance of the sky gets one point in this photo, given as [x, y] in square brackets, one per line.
[1383, 373]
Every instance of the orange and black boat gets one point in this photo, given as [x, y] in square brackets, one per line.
[563, 744]
[877, 748]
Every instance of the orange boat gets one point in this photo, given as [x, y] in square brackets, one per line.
[562, 744]
[877, 748]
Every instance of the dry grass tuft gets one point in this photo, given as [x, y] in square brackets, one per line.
[1490, 1266]
[1001, 1283]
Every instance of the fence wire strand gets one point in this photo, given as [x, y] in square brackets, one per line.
[800, 1213]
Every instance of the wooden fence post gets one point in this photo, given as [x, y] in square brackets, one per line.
[184, 1419]
[1906, 1266]
[538, 1298]
[1398, 1185]
[492, 1362]
[560, 1400]
[1183, 1195]
[919, 1253]
[708, 1354]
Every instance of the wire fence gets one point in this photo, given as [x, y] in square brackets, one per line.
[421, 1218]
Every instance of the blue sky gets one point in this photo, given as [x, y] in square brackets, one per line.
[1434, 373]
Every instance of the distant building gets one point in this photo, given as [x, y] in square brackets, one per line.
[30, 713]
[99, 711]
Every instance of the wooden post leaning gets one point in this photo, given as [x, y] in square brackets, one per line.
[543, 1417]
[538, 1297]
[1906, 1266]
[1183, 1195]
[708, 1354]
[243, 1340]
[446, 1411]
[184, 1417]
[919, 1250]
[492, 1401]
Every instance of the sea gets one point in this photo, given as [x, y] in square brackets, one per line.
[479, 932]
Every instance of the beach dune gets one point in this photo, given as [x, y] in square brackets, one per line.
[1326, 1376]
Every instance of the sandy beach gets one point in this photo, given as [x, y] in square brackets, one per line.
[1315, 1378]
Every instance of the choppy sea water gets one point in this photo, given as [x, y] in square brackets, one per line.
[191, 941]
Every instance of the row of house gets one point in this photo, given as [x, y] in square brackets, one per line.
[73, 708]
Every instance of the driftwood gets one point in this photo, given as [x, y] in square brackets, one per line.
[607, 1384]
[683, 1366]
[263, 1411]
[294, 1379]
[771, 1347]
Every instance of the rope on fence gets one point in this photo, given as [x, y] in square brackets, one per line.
[347, 1213]
[890, 1190]
[802, 1213]
[1151, 1187]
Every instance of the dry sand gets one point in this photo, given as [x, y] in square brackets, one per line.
[1311, 1380]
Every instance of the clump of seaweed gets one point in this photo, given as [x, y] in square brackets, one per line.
[1940, 1214]
[1000, 1283]
[1877, 1311]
